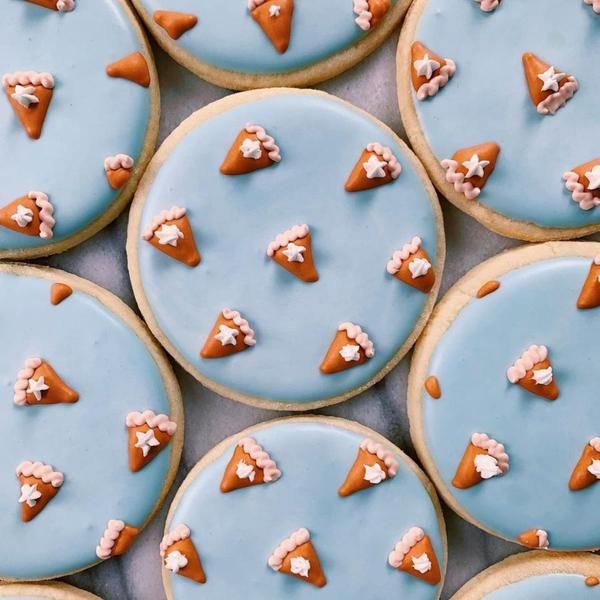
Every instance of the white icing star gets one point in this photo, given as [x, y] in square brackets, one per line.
[245, 471]
[543, 376]
[487, 466]
[23, 216]
[425, 67]
[168, 235]
[25, 95]
[374, 167]
[594, 468]
[29, 494]
[300, 566]
[374, 474]
[421, 563]
[274, 10]
[350, 352]
[251, 149]
[419, 267]
[475, 167]
[294, 252]
[146, 440]
[36, 387]
[175, 560]
[550, 79]
[227, 336]
[594, 178]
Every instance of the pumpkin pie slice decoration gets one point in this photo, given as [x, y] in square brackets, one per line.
[39, 484]
[249, 465]
[230, 334]
[350, 348]
[31, 215]
[253, 149]
[430, 72]
[148, 435]
[117, 169]
[297, 557]
[587, 469]
[589, 297]
[470, 168]
[180, 555]
[414, 554]
[58, 5]
[38, 383]
[376, 166]
[275, 18]
[116, 539]
[584, 184]
[412, 265]
[483, 459]
[292, 249]
[175, 23]
[549, 89]
[533, 372]
[373, 465]
[59, 292]
[171, 233]
[369, 13]
[534, 538]
[132, 67]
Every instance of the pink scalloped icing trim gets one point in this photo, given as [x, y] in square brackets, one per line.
[387, 155]
[299, 537]
[364, 15]
[47, 221]
[242, 324]
[543, 541]
[150, 418]
[296, 232]
[586, 200]
[23, 377]
[262, 458]
[382, 453]
[555, 101]
[401, 255]
[433, 86]
[252, 4]
[488, 5]
[595, 443]
[28, 78]
[168, 214]
[355, 332]
[268, 143]
[109, 538]
[178, 533]
[493, 448]
[65, 5]
[410, 539]
[118, 161]
[40, 471]
[532, 356]
[595, 4]
[457, 179]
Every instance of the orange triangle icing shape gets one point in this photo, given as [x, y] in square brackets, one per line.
[414, 554]
[59, 292]
[587, 470]
[376, 166]
[484, 458]
[429, 71]
[297, 557]
[534, 538]
[292, 250]
[175, 23]
[29, 215]
[549, 89]
[133, 67]
[38, 383]
[584, 184]
[370, 12]
[533, 372]
[117, 169]
[58, 5]
[116, 539]
[373, 465]
[171, 233]
[148, 435]
[432, 387]
[275, 19]
[180, 556]
[589, 297]
[230, 334]
[39, 484]
[253, 149]
[412, 265]
[350, 348]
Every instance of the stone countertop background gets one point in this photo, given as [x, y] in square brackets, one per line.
[210, 418]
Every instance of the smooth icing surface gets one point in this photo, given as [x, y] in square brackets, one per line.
[235, 218]
[535, 304]
[236, 533]
[556, 586]
[91, 116]
[226, 36]
[100, 356]
[535, 150]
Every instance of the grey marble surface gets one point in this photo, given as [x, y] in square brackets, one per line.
[210, 418]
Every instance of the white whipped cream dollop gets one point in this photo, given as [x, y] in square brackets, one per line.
[29, 494]
[421, 563]
[146, 440]
[543, 376]
[374, 474]
[350, 352]
[175, 561]
[594, 468]
[419, 267]
[251, 149]
[300, 566]
[487, 466]
[294, 253]
[245, 471]
[227, 335]
[168, 235]
[23, 216]
[374, 168]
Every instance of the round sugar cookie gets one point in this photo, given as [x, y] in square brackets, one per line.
[501, 396]
[505, 124]
[44, 591]
[79, 120]
[91, 424]
[285, 507]
[247, 44]
[547, 575]
[261, 273]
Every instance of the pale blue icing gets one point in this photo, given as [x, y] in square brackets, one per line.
[535, 304]
[547, 587]
[235, 533]
[103, 359]
[488, 100]
[227, 36]
[235, 218]
[91, 115]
